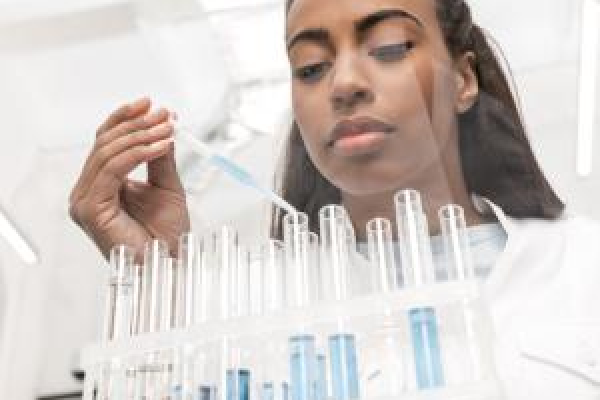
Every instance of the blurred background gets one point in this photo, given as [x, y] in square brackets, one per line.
[65, 64]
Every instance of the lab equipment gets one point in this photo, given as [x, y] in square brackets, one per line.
[290, 322]
[229, 167]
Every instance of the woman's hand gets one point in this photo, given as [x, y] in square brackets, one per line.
[113, 209]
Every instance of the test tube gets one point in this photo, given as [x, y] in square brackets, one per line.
[415, 248]
[225, 252]
[241, 279]
[189, 266]
[268, 391]
[238, 384]
[155, 255]
[426, 348]
[315, 267]
[166, 294]
[137, 298]
[296, 249]
[274, 276]
[456, 242]
[385, 274]
[303, 367]
[344, 367]
[334, 250]
[207, 392]
[321, 382]
[121, 293]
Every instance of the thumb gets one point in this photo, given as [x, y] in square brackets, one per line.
[162, 172]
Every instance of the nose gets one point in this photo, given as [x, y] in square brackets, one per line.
[350, 85]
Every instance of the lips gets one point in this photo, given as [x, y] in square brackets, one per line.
[357, 127]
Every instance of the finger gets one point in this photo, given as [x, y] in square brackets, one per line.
[110, 178]
[102, 155]
[162, 172]
[130, 126]
[123, 113]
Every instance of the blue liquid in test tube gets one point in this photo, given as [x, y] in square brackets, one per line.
[207, 393]
[285, 391]
[344, 367]
[238, 384]
[426, 348]
[268, 392]
[321, 383]
[302, 367]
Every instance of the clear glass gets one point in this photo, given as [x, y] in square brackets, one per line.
[385, 273]
[155, 255]
[297, 264]
[457, 252]
[335, 240]
[413, 238]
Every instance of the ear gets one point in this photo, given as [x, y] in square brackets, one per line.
[467, 87]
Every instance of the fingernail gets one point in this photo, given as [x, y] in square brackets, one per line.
[139, 102]
[156, 116]
[161, 144]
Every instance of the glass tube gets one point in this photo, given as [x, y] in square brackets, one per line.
[267, 391]
[413, 236]
[456, 242]
[426, 348]
[344, 367]
[274, 276]
[334, 250]
[302, 367]
[122, 268]
[238, 384]
[226, 244]
[385, 274]
[296, 248]
[188, 269]
[155, 255]
[166, 295]
[137, 298]
[242, 279]
[314, 265]
[321, 382]
[207, 392]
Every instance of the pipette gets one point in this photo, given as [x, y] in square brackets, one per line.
[228, 166]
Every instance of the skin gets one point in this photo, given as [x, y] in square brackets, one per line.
[399, 72]
[113, 209]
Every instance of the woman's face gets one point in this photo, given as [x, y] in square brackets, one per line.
[374, 90]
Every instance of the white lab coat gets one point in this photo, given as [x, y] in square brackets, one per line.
[544, 297]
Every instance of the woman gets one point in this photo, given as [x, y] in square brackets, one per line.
[393, 94]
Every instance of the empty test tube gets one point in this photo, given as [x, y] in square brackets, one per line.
[334, 250]
[296, 249]
[120, 299]
[155, 256]
[187, 271]
[426, 348]
[413, 236]
[225, 256]
[274, 282]
[385, 273]
[456, 242]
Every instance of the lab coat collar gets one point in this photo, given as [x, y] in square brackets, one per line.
[486, 206]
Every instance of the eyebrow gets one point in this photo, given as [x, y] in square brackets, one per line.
[322, 36]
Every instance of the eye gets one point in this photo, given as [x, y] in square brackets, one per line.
[310, 73]
[392, 52]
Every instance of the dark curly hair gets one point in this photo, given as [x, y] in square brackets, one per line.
[497, 159]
